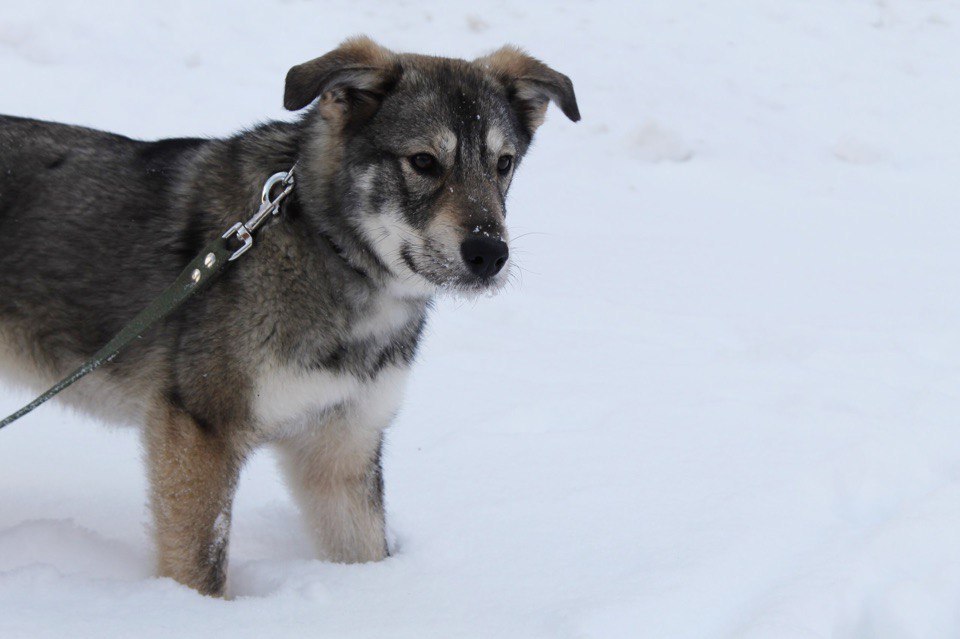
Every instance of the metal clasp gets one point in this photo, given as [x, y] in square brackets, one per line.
[272, 181]
[243, 231]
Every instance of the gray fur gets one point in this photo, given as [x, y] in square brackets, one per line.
[94, 225]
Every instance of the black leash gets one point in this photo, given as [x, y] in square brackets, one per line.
[197, 275]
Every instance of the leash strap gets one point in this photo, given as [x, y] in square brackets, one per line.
[201, 271]
[197, 275]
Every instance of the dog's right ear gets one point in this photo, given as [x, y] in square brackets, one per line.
[350, 80]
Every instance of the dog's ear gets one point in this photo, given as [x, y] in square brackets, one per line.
[530, 85]
[350, 80]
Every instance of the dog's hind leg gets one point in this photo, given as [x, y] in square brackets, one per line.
[193, 475]
[334, 473]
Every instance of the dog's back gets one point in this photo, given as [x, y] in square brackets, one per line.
[86, 239]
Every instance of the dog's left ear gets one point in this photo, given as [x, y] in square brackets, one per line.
[350, 80]
[531, 85]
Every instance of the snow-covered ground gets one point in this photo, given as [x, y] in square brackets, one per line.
[723, 402]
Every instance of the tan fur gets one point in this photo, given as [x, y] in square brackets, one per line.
[193, 475]
[103, 393]
[535, 83]
[512, 65]
[330, 473]
[510, 61]
[333, 473]
[359, 63]
[331, 480]
[364, 50]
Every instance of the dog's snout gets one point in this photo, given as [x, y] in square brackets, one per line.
[485, 256]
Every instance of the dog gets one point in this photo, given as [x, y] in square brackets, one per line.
[403, 163]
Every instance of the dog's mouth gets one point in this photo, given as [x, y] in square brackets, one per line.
[455, 275]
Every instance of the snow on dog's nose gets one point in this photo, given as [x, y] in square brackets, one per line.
[484, 256]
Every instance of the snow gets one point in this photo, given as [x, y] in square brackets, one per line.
[722, 400]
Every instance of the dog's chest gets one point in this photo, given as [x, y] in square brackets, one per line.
[360, 373]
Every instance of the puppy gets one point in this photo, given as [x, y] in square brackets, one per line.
[403, 163]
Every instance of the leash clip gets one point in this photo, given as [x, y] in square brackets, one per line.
[243, 231]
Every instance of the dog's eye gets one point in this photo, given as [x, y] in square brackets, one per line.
[423, 162]
[504, 164]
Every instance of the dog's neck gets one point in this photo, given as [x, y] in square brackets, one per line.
[322, 204]
[329, 244]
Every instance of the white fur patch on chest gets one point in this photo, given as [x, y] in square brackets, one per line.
[289, 401]
[289, 398]
[284, 394]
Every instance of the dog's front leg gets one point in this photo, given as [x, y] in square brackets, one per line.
[193, 475]
[334, 474]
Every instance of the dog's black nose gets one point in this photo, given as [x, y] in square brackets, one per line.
[485, 256]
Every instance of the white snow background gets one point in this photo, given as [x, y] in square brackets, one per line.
[724, 401]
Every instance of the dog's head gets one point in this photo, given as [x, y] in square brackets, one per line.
[425, 150]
